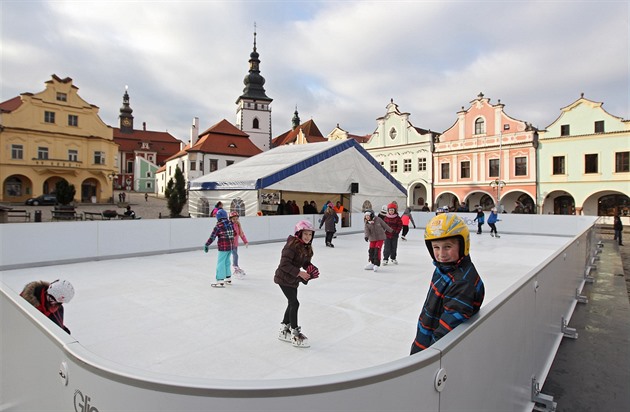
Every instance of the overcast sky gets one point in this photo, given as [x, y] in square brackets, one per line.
[339, 62]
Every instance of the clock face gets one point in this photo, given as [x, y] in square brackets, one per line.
[392, 133]
[126, 122]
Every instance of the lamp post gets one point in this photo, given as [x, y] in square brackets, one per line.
[112, 176]
[498, 184]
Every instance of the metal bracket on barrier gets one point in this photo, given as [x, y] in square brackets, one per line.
[594, 259]
[542, 402]
[600, 244]
[567, 331]
[440, 380]
[580, 298]
[587, 274]
[598, 250]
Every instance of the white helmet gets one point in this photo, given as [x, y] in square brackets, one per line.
[61, 290]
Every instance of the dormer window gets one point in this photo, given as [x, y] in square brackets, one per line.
[62, 97]
[480, 126]
[232, 145]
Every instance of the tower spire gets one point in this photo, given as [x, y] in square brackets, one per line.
[125, 117]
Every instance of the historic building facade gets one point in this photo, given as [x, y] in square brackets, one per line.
[54, 135]
[405, 151]
[486, 158]
[584, 162]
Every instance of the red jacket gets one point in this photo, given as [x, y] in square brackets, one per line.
[395, 222]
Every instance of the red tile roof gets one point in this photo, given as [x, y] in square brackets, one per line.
[309, 129]
[226, 139]
[11, 104]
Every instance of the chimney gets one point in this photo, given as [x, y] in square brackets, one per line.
[194, 131]
[144, 126]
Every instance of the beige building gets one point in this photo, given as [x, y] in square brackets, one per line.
[54, 135]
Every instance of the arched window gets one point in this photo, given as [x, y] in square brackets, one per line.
[238, 205]
[255, 124]
[480, 126]
[203, 208]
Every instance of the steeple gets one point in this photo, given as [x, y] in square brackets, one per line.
[254, 82]
[295, 122]
[126, 119]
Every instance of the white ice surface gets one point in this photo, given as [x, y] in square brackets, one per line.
[159, 313]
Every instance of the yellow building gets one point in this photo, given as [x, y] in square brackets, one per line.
[53, 135]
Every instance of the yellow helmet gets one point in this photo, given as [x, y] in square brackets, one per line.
[444, 226]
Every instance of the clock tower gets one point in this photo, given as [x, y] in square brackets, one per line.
[253, 112]
[126, 119]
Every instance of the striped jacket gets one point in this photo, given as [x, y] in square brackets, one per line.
[225, 232]
[455, 294]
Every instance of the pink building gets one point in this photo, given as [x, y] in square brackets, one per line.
[485, 158]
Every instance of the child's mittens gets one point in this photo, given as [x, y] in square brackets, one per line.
[205, 248]
[366, 238]
[313, 271]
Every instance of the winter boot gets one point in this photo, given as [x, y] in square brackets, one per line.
[285, 332]
[369, 266]
[298, 339]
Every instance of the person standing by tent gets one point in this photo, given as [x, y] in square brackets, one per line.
[330, 219]
[224, 231]
[295, 267]
[406, 218]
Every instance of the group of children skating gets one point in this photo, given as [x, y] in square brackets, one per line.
[455, 293]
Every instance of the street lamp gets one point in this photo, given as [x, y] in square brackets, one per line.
[112, 176]
[498, 184]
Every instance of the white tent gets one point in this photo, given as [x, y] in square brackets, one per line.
[340, 170]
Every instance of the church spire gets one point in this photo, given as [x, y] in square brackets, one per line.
[126, 118]
[295, 122]
[254, 82]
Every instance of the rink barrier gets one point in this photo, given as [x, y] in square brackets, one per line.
[494, 362]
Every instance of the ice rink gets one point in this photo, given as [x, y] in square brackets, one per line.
[159, 313]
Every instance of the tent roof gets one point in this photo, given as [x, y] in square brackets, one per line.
[280, 163]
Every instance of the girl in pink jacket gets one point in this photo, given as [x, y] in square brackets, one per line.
[238, 232]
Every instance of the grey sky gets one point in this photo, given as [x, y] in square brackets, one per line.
[338, 61]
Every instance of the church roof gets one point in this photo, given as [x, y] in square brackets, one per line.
[226, 139]
[309, 129]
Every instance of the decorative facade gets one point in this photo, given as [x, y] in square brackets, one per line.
[54, 135]
[405, 151]
[486, 158]
[584, 162]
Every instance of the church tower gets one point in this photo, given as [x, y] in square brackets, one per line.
[125, 117]
[253, 113]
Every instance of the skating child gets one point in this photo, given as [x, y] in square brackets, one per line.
[456, 290]
[391, 242]
[49, 298]
[374, 232]
[492, 220]
[330, 220]
[295, 267]
[480, 218]
[406, 218]
[225, 232]
[238, 232]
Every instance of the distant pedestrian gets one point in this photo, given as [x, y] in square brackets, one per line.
[146, 197]
[618, 227]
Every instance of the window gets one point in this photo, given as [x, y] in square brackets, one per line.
[393, 133]
[49, 117]
[73, 120]
[42, 153]
[622, 164]
[214, 165]
[464, 169]
[590, 163]
[148, 174]
[407, 165]
[129, 167]
[17, 151]
[62, 97]
[493, 167]
[255, 124]
[520, 166]
[99, 158]
[148, 185]
[422, 164]
[565, 130]
[382, 164]
[229, 162]
[480, 126]
[201, 166]
[193, 166]
[599, 126]
[73, 155]
[558, 165]
[446, 171]
[393, 166]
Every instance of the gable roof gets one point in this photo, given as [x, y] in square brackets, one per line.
[277, 169]
[309, 129]
[10, 105]
[226, 139]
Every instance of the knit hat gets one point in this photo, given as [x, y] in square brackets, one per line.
[392, 206]
[384, 209]
[221, 214]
